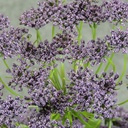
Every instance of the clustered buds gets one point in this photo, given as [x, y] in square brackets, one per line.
[11, 111]
[69, 15]
[10, 40]
[4, 22]
[116, 10]
[118, 41]
[35, 70]
[94, 94]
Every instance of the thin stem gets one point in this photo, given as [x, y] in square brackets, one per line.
[53, 31]
[124, 69]
[108, 64]
[9, 89]
[99, 67]
[109, 123]
[38, 36]
[5, 63]
[86, 65]
[126, 101]
[79, 30]
[93, 28]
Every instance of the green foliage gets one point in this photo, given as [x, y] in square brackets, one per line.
[58, 78]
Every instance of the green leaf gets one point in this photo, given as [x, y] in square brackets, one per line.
[95, 123]
[53, 31]
[5, 63]
[77, 115]
[64, 118]
[69, 117]
[79, 30]
[55, 116]
[21, 125]
[124, 69]
[86, 114]
[3, 126]
[99, 67]
[109, 62]
[110, 123]
[124, 102]
[62, 77]
[9, 89]
[55, 79]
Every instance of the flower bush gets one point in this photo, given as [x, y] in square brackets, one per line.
[57, 97]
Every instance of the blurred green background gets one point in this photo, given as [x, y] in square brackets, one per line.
[14, 8]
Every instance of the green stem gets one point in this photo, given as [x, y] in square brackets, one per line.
[126, 101]
[108, 64]
[5, 63]
[99, 67]
[124, 69]
[9, 89]
[38, 36]
[53, 31]
[110, 124]
[86, 65]
[79, 30]
[93, 28]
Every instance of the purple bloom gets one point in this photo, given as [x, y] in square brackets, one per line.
[4, 22]
[116, 10]
[118, 40]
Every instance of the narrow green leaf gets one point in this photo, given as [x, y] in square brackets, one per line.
[86, 114]
[124, 69]
[99, 67]
[9, 89]
[62, 77]
[64, 118]
[124, 102]
[21, 125]
[5, 63]
[55, 116]
[55, 79]
[95, 123]
[108, 64]
[77, 115]
[79, 29]
[53, 31]
[69, 116]
[110, 124]
[3, 126]
[111, 62]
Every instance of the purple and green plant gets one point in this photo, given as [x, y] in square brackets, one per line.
[63, 89]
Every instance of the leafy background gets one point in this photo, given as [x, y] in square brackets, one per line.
[14, 8]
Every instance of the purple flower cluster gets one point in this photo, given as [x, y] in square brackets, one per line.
[95, 14]
[123, 115]
[84, 90]
[67, 16]
[94, 94]
[24, 75]
[116, 10]
[10, 40]
[93, 52]
[4, 22]
[118, 41]
[10, 110]
[37, 18]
